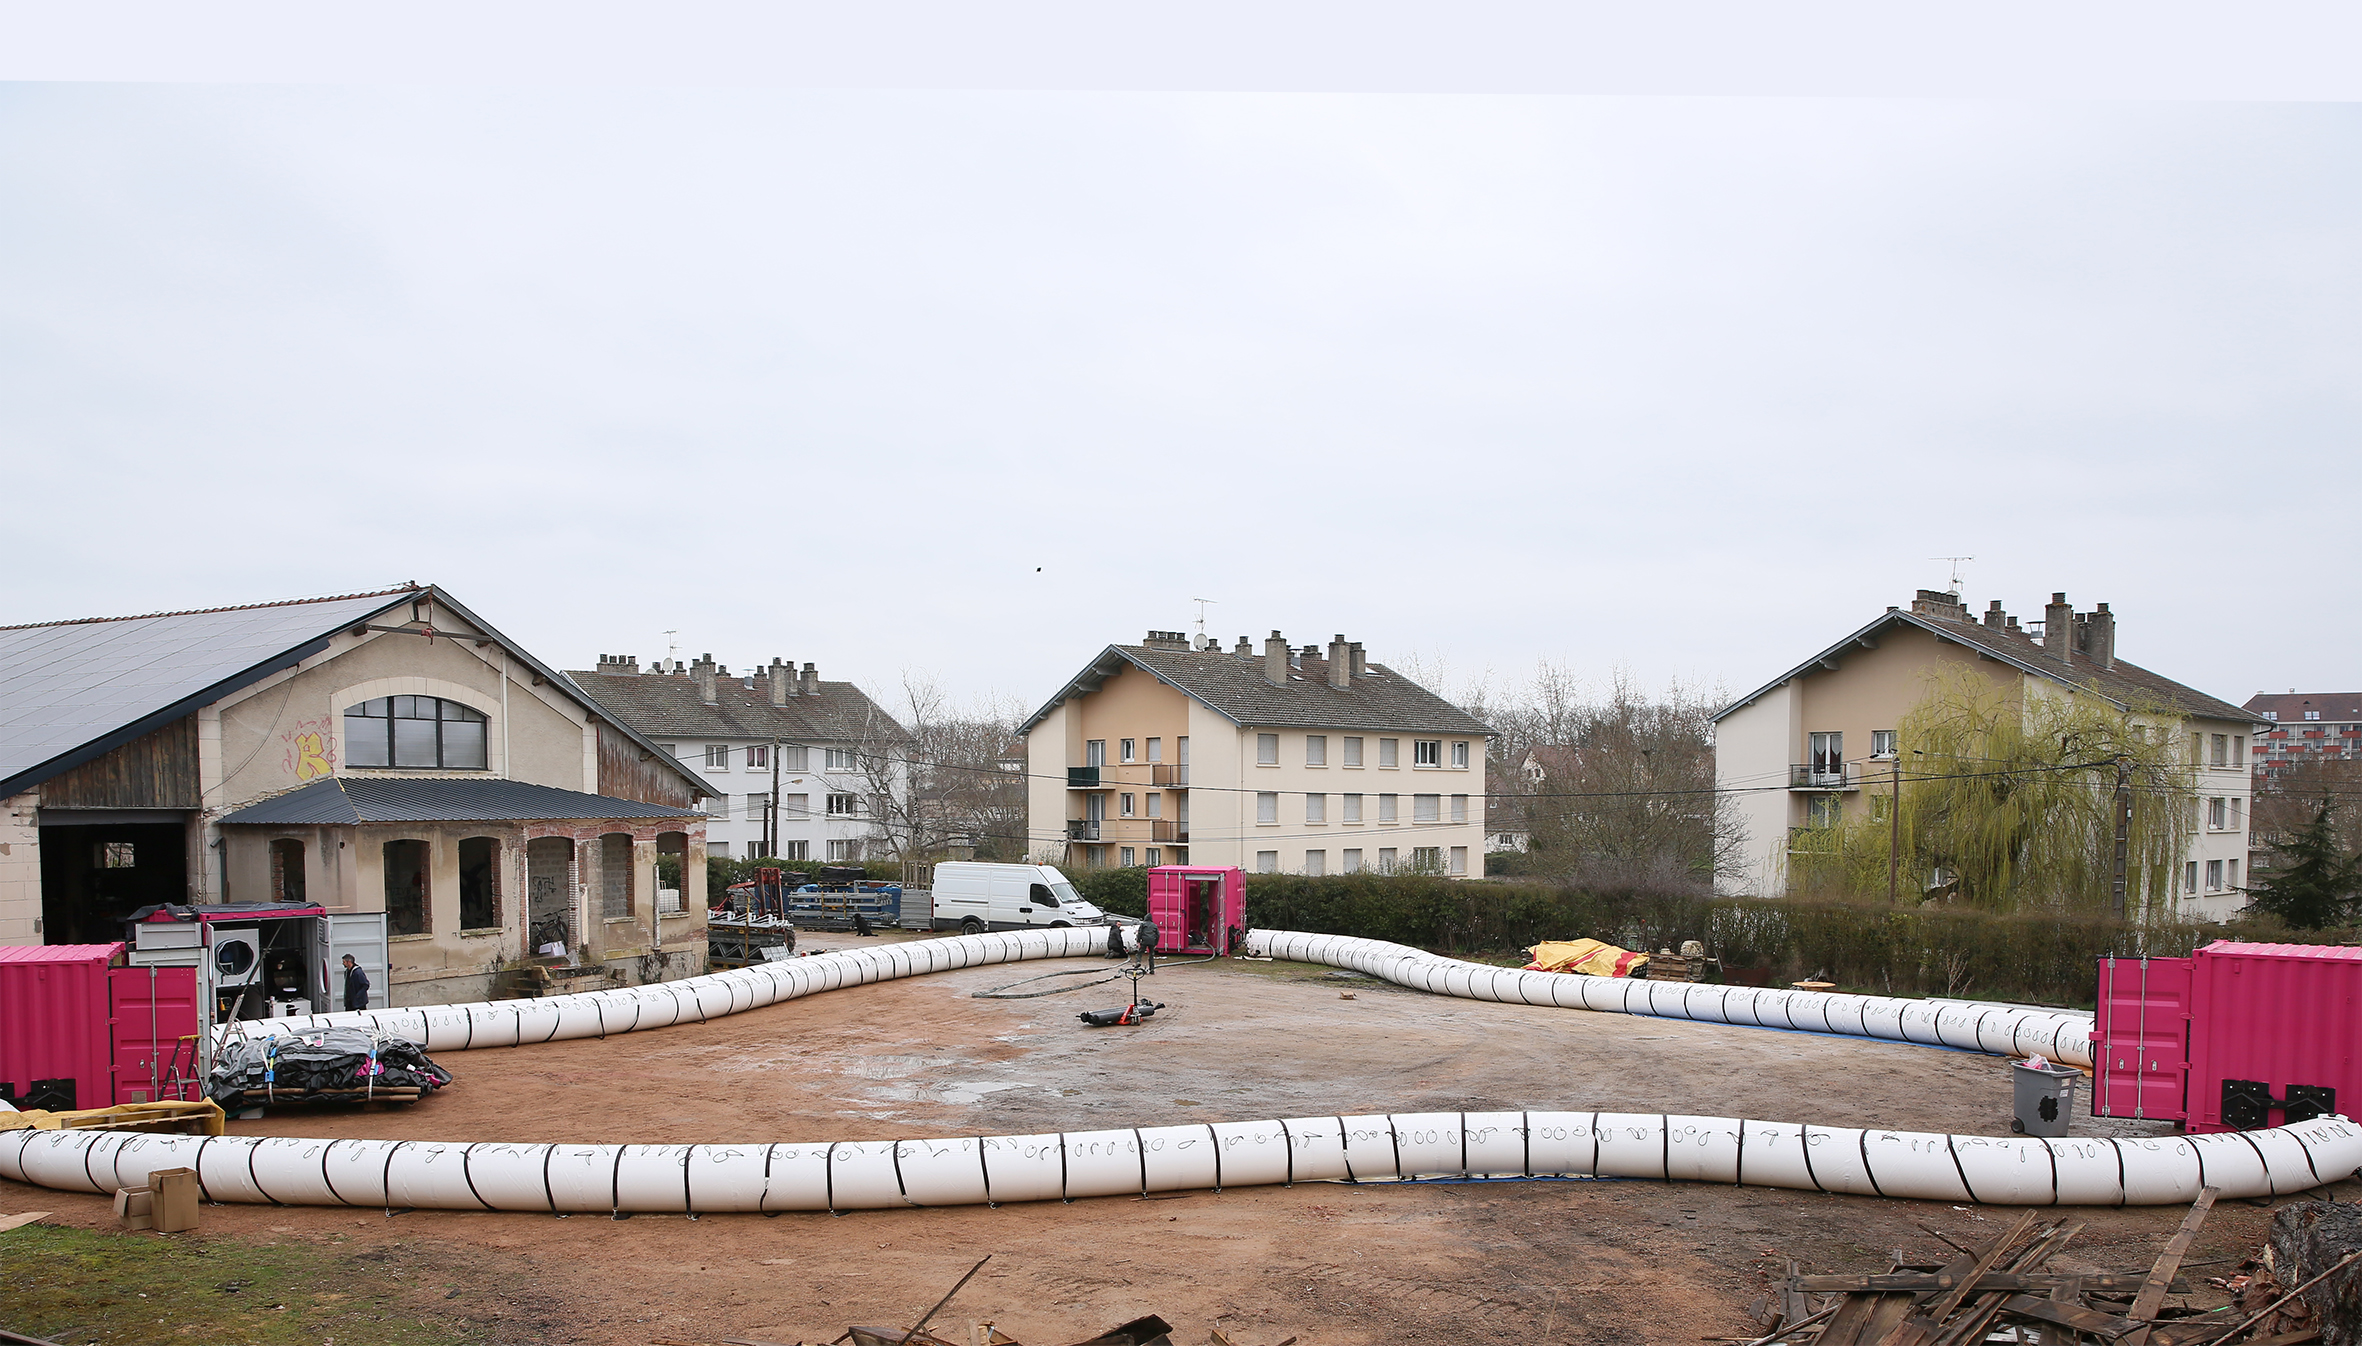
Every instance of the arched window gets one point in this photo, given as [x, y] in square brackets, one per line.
[415, 731]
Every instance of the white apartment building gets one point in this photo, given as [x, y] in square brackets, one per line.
[1297, 761]
[817, 765]
[1826, 728]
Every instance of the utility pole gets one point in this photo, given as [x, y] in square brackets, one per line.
[1894, 839]
[2116, 893]
[771, 824]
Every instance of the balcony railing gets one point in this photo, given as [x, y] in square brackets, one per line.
[1081, 829]
[1082, 778]
[1169, 775]
[1819, 776]
[1165, 829]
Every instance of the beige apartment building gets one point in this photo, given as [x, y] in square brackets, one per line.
[1817, 742]
[1303, 761]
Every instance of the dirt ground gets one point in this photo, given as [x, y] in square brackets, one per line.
[1329, 1264]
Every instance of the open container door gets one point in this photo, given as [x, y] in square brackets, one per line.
[155, 1026]
[361, 934]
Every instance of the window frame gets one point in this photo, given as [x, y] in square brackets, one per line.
[1266, 749]
[853, 811]
[392, 741]
[1426, 753]
[1267, 808]
[758, 757]
[1389, 754]
[1316, 750]
[1459, 754]
[1316, 809]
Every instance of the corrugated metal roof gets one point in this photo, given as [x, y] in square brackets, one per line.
[65, 684]
[2251, 949]
[59, 953]
[349, 800]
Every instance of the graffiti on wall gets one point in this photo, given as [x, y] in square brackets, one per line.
[309, 752]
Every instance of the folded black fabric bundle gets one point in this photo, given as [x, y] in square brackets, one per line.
[321, 1065]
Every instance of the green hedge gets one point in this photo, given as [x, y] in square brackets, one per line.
[2034, 957]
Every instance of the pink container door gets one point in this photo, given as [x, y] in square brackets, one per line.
[2276, 1034]
[2141, 1039]
[54, 1046]
[153, 1009]
[1195, 909]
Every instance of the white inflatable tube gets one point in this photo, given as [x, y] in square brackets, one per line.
[862, 1175]
[972, 1170]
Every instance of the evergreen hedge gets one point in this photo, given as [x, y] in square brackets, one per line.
[2033, 957]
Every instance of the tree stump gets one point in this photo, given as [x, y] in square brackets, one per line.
[2308, 1238]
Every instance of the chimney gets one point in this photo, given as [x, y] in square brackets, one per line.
[1166, 640]
[1995, 618]
[811, 680]
[2102, 642]
[1246, 648]
[776, 680]
[619, 665]
[703, 671]
[1275, 660]
[2058, 629]
[2013, 625]
[1340, 663]
[1361, 662]
[1940, 604]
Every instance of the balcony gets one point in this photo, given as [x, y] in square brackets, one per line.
[1169, 775]
[1166, 830]
[1822, 776]
[1081, 829]
[1082, 778]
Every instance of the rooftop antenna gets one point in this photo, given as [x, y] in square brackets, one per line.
[1201, 620]
[672, 650]
[1955, 560]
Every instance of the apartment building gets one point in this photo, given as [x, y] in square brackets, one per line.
[2303, 727]
[797, 767]
[1305, 761]
[1810, 746]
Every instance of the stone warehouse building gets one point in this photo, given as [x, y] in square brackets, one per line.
[386, 755]
[798, 768]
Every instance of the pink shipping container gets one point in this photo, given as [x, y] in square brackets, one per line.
[78, 1032]
[2236, 1036]
[1197, 909]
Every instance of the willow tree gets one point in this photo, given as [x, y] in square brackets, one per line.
[2007, 796]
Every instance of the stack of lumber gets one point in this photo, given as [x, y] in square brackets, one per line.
[2004, 1288]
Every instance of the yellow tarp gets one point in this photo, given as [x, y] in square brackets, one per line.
[1594, 957]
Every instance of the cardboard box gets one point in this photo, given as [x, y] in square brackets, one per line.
[175, 1200]
[135, 1207]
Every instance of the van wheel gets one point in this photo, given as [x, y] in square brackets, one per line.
[1062, 925]
[971, 926]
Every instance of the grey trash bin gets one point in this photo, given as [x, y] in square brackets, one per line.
[2043, 1099]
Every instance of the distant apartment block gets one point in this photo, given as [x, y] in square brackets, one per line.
[2300, 727]
[1304, 761]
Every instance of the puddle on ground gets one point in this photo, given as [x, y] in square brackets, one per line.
[943, 1091]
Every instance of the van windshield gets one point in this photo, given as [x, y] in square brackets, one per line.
[1065, 892]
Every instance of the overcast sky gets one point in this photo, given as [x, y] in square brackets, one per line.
[974, 384]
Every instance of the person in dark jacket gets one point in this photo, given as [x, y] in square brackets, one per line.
[356, 985]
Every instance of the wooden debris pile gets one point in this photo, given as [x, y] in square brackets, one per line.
[2002, 1292]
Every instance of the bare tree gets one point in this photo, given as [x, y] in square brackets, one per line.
[960, 787]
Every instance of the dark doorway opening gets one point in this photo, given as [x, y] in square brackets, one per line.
[94, 875]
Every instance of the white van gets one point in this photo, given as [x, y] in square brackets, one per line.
[972, 898]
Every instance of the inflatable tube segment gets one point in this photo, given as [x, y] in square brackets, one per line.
[1397, 1147]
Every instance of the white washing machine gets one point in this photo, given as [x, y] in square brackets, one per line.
[237, 956]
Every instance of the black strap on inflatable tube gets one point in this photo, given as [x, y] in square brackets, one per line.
[90, 1147]
[467, 1174]
[1063, 1195]
[601, 1007]
[2307, 1151]
[688, 1202]
[327, 1179]
[640, 1010]
[615, 1185]
[549, 1193]
[1395, 1138]
[1595, 1146]
[828, 1174]
[385, 1176]
[1141, 1147]
[1288, 1142]
[2199, 1151]
[2271, 1185]
[1216, 1137]
[197, 1165]
[518, 1013]
[2054, 1171]
[1867, 1171]
[253, 1144]
[902, 1189]
[985, 1164]
[1525, 1131]
[468, 1042]
[1960, 1168]
[1345, 1148]
[1804, 1142]
[1665, 1145]
[2123, 1190]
